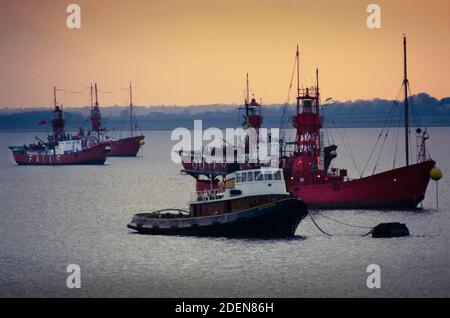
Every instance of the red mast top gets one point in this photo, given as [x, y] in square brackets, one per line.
[253, 117]
[308, 122]
[95, 112]
[57, 118]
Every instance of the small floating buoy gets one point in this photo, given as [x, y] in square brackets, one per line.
[108, 149]
[393, 229]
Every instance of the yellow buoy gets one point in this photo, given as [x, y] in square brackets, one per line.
[142, 142]
[436, 174]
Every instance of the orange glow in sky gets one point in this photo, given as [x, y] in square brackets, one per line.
[184, 52]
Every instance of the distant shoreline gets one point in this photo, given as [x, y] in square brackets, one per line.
[189, 128]
[425, 111]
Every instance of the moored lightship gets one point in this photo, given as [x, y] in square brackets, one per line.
[310, 177]
[208, 174]
[61, 148]
[124, 147]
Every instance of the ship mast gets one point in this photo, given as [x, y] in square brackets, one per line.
[57, 119]
[406, 110]
[247, 97]
[95, 113]
[96, 95]
[131, 110]
[297, 59]
[317, 91]
[92, 97]
[54, 97]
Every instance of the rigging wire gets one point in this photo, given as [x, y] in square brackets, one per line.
[385, 124]
[396, 141]
[343, 141]
[283, 131]
[384, 140]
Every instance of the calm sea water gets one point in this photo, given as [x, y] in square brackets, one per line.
[55, 216]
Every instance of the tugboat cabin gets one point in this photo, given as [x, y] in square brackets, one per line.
[240, 191]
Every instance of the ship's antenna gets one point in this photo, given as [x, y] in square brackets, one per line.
[131, 110]
[247, 98]
[92, 96]
[96, 95]
[405, 86]
[317, 90]
[317, 81]
[297, 59]
[54, 96]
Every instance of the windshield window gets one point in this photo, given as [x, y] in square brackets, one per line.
[258, 176]
[277, 175]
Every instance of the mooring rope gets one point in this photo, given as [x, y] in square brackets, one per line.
[317, 225]
[343, 223]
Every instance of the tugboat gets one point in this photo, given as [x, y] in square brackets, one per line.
[249, 203]
[125, 147]
[61, 148]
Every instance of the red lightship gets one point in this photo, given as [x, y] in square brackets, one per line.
[125, 147]
[207, 173]
[310, 179]
[61, 148]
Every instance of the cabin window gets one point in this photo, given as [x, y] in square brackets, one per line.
[250, 176]
[238, 177]
[268, 176]
[244, 177]
[277, 175]
[258, 176]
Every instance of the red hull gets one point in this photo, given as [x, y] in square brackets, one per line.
[127, 147]
[95, 155]
[401, 188]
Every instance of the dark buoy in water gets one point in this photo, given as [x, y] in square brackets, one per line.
[390, 230]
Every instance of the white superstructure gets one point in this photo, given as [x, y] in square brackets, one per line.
[247, 183]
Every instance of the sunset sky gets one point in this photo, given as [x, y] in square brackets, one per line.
[185, 52]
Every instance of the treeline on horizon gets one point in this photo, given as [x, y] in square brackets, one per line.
[425, 111]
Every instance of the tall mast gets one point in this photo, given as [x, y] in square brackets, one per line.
[95, 114]
[54, 96]
[247, 100]
[96, 95]
[317, 91]
[92, 96]
[131, 110]
[405, 86]
[297, 58]
[247, 97]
